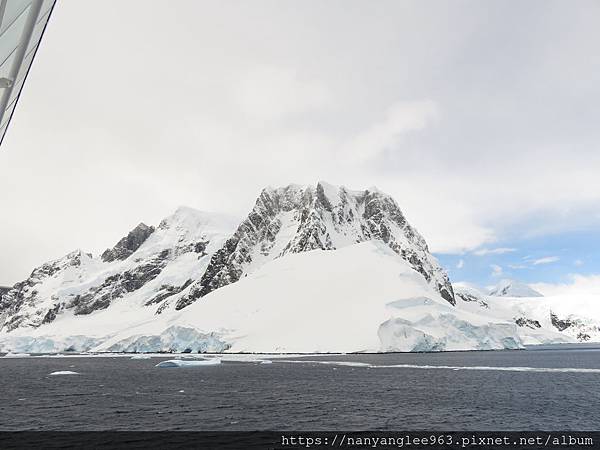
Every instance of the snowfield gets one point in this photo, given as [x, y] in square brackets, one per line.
[311, 269]
[540, 320]
[329, 301]
[317, 301]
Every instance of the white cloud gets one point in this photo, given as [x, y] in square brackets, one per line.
[578, 285]
[496, 270]
[578, 262]
[460, 264]
[274, 92]
[545, 260]
[401, 118]
[494, 251]
[251, 96]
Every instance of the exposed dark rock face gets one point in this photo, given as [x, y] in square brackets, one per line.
[51, 314]
[583, 337]
[200, 247]
[116, 286]
[129, 244]
[285, 220]
[580, 328]
[324, 218]
[80, 284]
[4, 306]
[167, 291]
[3, 290]
[560, 324]
[529, 323]
[469, 295]
[25, 294]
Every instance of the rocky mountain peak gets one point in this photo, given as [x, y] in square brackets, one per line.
[294, 219]
[3, 290]
[191, 253]
[468, 293]
[128, 244]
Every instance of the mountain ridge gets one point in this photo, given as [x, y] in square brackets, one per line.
[164, 280]
[513, 288]
[284, 220]
[324, 217]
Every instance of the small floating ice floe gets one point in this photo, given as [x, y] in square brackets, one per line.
[181, 363]
[17, 355]
[141, 357]
[64, 372]
[266, 361]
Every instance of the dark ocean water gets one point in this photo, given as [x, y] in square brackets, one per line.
[119, 393]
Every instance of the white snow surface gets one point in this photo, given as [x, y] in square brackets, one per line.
[512, 288]
[362, 297]
[359, 296]
[534, 314]
[17, 355]
[175, 363]
[78, 273]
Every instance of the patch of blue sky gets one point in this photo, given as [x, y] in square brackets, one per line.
[550, 258]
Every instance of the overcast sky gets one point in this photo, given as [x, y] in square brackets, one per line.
[480, 117]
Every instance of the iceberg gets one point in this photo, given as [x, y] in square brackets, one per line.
[171, 363]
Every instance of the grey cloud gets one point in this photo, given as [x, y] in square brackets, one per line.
[155, 104]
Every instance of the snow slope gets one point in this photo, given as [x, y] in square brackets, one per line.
[512, 288]
[191, 254]
[311, 269]
[540, 320]
[296, 219]
[362, 297]
[143, 269]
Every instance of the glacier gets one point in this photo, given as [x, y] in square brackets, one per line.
[316, 301]
[310, 269]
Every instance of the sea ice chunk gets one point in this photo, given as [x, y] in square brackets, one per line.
[181, 363]
[16, 355]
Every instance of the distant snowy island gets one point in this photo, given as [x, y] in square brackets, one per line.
[310, 269]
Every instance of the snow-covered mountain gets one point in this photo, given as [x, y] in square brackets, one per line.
[512, 288]
[147, 266]
[362, 297]
[311, 268]
[540, 320]
[468, 293]
[296, 219]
